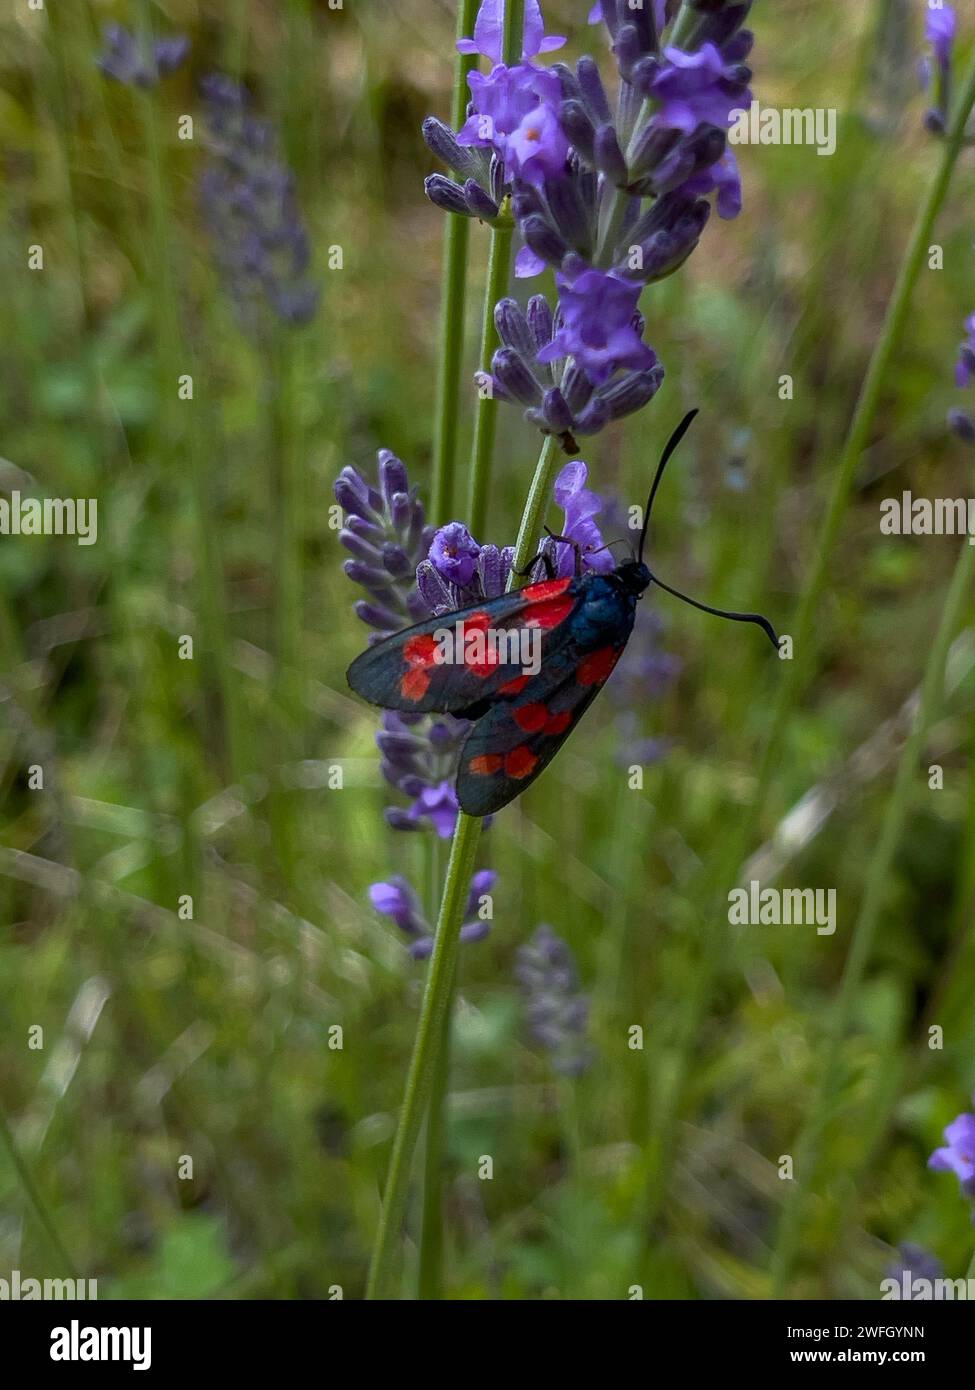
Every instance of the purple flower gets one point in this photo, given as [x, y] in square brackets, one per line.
[556, 1011]
[385, 532]
[958, 1155]
[419, 758]
[397, 899]
[598, 310]
[488, 579]
[695, 89]
[126, 60]
[939, 30]
[724, 177]
[914, 1263]
[454, 553]
[489, 32]
[501, 100]
[965, 367]
[537, 148]
[248, 200]
[561, 398]
[580, 507]
[438, 805]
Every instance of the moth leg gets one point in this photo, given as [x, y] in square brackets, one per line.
[546, 560]
[576, 549]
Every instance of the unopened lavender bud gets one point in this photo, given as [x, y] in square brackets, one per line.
[558, 416]
[543, 239]
[738, 48]
[513, 329]
[593, 91]
[571, 91]
[609, 157]
[579, 129]
[934, 121]
[361, 549]
[594, 418]
[540, 320]
[632, 392]
[569, 214]
[630, 47]
[383, 619]
[442, 142]
[398, 819]
[355, 495]
[643, 74]
[652, 146]
[509, 367]
[369, 576]
[576, 388]
[392, 474]
[446, 194]
[962, 424]
[478, 202]
[396, 561]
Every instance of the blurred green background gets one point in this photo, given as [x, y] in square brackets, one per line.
[209, 1037]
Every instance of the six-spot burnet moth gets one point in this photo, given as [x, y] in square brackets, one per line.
[469, 663]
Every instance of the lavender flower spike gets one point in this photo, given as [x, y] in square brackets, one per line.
[125, 59]
[958, 1155]
[398, 900]
[248, 200]
[386, 533]
[556, 1011]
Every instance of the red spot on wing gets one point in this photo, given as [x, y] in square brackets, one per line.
[531, 718]
[549, 588]
[519, 762]
[515, 686]
[558, 723]
[594, 668]
[420, 651]
[549, 613]
[479, 622]
[484, 764]
[414, 683]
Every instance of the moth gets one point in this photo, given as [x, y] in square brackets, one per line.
[471, 663]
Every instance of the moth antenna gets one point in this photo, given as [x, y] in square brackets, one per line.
[756, 618]
[665, 457]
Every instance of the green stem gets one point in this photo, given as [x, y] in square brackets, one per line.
[443, 962]
[485, 424]
[34, 1198]
[452, 309]
[498, 274]
[865, 927]
[538, 496]
[435, 1146]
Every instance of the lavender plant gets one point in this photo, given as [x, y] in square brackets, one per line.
[612, 198]
[249, 204]
[128, 59]
[556, 1010]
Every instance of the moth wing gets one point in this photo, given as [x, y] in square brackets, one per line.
[517, 738]
[406, 670]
